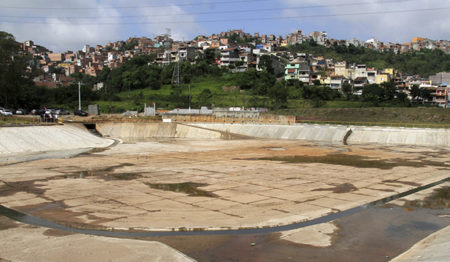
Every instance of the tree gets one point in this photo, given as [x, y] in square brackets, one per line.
[204, 98]
[265, 63]
[415, 92]
[373, 93]
[402, 98]
[390, 91]
[279, 94]
[347, 89]
[425, 93]
[15, 79]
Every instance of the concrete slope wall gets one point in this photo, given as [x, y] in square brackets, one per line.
[399, 136]
[155, 130]
[47, 138]
[323, 133]
[337, 133]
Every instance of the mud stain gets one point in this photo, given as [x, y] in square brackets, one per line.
[56, 233]
[401, 182]
[34, 186]
[103, 175]
[6, 223]
[439, 199]
[354, 161]
[189, 188]
[339, 188]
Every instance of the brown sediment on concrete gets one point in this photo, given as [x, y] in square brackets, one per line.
[409, 183]
[339, 188]
[191, 189]
[56, 233]
[355, 161]
[6, 223]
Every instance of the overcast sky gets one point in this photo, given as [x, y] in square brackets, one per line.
[67, 25]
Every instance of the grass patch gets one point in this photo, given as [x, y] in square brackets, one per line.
[384, 116]
[191, 189]
[18, 120]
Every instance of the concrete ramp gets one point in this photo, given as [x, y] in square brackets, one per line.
[322, 133]
[155, 130]
[32, 139]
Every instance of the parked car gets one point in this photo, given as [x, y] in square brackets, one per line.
[62, 112]
[37, 112]
[21, 111]
[5, 112]
[80, 113]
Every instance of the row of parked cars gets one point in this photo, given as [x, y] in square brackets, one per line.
[38, 112]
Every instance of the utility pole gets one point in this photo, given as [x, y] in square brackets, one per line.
[79, 95]
[189, 97]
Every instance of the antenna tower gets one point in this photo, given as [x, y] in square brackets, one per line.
[176, 73]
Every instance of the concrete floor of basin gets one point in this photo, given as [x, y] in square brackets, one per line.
[250, 183]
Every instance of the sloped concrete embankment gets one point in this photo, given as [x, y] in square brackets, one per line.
[155, 130]
[33, 139]
[341, 134]
[400, 136]
[321, 133]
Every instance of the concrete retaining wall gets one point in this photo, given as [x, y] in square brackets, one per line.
[323, 133]
[337, 133]
[155, 130]
[400, 136]
[31, 139]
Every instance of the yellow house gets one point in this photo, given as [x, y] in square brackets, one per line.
[381, 78]
[325, 80]
[340, 68]
[389, 71]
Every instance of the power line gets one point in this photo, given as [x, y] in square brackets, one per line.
[240, 19]
[209, 12]
[132, 7]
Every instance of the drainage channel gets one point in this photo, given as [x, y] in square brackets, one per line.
[36, 221]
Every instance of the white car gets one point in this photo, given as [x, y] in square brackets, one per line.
[5, 112]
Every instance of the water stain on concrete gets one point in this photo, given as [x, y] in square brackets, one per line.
[189, 188]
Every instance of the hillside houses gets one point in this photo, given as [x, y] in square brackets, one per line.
[236, 51]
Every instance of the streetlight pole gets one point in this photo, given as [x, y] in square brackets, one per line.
[79, 95]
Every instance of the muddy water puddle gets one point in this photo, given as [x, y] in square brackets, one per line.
[375, 234]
